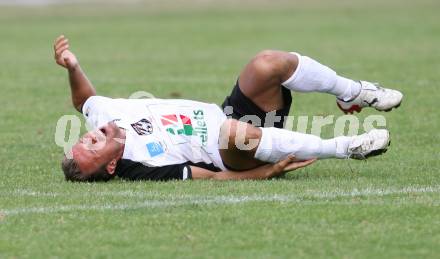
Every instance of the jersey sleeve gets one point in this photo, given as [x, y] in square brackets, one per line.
[89, 105]
[99, 110]
[135, 171]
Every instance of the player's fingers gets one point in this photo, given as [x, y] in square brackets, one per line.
[286, 161]
[60, 37]
[58, 40]
[60, 55]
[60, 51]
[281, 165]
[62, 43]
[297, 165]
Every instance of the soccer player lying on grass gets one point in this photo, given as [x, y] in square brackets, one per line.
[156, 139]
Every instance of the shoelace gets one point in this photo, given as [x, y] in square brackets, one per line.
[365, 145]
[349, 165]
[379, 87]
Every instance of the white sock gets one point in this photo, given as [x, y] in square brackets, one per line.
[311, 76]
[277, 144]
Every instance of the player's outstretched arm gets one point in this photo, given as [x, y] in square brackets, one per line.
[260, 173]
[80, 86]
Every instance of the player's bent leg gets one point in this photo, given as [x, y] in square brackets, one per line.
[261, 78]
[276, 144]
[258, 91]
[264, 76]
[311, 76]
[243, 146]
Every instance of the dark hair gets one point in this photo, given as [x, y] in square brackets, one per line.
[73, 173]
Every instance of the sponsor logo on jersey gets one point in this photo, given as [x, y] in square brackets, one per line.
[143, 127]
[175, 126]
[179, 124]
[154, 149]
[200, 127]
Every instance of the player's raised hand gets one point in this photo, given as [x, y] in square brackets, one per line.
[63, 56]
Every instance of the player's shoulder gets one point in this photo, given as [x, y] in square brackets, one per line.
[96, 99]
[92, 102]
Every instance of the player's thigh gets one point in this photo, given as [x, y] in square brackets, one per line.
[238, 106]
[240, 144]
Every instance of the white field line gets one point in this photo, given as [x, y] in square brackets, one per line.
[319, 198]
[336, 193]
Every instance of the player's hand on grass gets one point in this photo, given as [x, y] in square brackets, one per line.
[63, 56]
[289, 164]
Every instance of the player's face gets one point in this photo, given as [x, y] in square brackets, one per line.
[99, 147]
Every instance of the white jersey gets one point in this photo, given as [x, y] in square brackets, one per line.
[162, 132]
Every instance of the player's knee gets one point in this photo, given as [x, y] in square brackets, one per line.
[273, 63]
[266, 59]
[267, 53]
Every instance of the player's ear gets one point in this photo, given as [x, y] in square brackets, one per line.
[111, 166]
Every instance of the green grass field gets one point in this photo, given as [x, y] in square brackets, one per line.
[388, 207]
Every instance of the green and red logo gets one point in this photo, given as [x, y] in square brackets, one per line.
[178, 124]
[177, 127]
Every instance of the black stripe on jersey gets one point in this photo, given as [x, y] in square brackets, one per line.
[135, 171]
